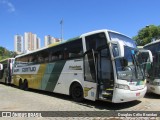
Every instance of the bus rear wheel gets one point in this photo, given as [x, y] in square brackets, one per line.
[25, 85]
[77, 92]
[5, 80]
[20, 84]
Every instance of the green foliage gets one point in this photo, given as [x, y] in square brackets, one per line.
[147, 34]
[4, 53]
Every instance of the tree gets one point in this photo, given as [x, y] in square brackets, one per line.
[4, 53]
[147, 35]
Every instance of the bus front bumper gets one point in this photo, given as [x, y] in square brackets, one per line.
[121, 95]
[154, 89]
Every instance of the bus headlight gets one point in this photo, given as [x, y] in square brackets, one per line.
[121, 86]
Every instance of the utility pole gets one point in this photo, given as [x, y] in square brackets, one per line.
[61, 22]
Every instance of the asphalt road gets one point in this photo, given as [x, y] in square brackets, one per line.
[14, 99]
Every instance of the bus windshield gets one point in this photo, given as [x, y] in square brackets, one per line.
[128, 67]
[126, 40]
[155, 67]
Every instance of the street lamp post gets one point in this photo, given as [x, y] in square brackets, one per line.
[61, 29]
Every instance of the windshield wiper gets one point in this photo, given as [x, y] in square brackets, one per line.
[137, 65]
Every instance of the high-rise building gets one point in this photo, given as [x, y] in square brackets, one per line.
[31, 41]
[38, 44]
[50, 40]
[18, 44]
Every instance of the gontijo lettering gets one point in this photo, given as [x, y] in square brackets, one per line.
[29, 69]
[16, 70]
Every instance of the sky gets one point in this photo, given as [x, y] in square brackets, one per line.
[42, 17]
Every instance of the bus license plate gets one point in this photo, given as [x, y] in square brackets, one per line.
[137, 94]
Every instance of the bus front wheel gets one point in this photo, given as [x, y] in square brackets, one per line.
[77, 92]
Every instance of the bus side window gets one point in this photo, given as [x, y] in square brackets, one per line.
[40, 59]
[74, 49]
[52, 56]
[42, 56]
[66, 55]
[55, 53]
[95, 41]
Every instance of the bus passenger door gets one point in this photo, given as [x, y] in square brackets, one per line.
[90, 82]
[105, 76]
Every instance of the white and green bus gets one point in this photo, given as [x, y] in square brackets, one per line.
[6, 71]
[99, 65]
[154, 71]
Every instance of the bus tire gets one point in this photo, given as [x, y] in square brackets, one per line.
[20, 84]
[25, 85]
[5, 81]
[9, 79]
[77, 92]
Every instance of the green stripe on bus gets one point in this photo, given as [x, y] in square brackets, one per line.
[54, 75]
[47, 74]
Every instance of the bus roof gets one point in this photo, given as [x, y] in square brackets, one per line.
[154, 42]
[69, 40]
[102, 30]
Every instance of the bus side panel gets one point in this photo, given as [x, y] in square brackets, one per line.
[51, 75]
[36, 79]
[33, 77]
[72, 71]
[16, 79]
[47, 75]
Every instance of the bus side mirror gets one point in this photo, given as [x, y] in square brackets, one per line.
[150, 56]
[117, 49]
[147, 53]
[1, 66]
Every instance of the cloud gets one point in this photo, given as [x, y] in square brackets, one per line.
[10, 6]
